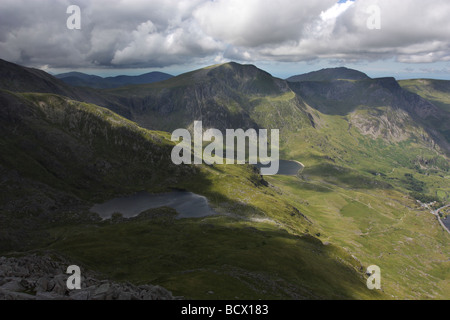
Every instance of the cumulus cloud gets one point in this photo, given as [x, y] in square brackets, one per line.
[254, 23]
[174, 45]
[158, 33]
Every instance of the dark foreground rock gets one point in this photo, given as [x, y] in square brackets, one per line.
[36, 277]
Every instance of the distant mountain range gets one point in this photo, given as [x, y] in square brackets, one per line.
[84, 80]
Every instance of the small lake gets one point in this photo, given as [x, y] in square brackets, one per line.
[287, 167]
[187, 204]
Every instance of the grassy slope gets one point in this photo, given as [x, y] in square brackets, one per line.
[379, 227]
[371, 215]
[338, 150]
[245, 253]
[231, 257]
[437, 91]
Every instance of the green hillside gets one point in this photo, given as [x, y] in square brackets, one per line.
[368, 156]
[437, 91]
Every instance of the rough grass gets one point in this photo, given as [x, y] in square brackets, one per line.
[380, 227]
[437, 91]
[219, 254]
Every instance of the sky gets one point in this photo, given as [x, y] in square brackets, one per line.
[400, 38]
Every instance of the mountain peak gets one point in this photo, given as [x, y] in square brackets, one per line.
[237, 68]
[84, 80]
[243, 77]
[247, 77]
[14, 77]
[330, 74]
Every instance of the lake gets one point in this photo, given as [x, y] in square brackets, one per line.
[187, 204]
[287, 167]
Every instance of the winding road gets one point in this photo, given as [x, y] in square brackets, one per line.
[436, 213]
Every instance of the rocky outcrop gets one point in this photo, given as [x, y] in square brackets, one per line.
[36, 277]
[222, 96]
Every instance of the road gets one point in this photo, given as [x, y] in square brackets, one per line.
[436, 213]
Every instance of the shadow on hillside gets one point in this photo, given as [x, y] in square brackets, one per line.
[194, 256]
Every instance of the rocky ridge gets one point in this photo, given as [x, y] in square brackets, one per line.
[36, 277]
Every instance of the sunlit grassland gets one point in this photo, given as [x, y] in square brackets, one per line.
[381, 227]
[437, 91]
[336, 150]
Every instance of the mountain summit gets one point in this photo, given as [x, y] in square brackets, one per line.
[330, 74]
[222, 96]
[18, 78]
